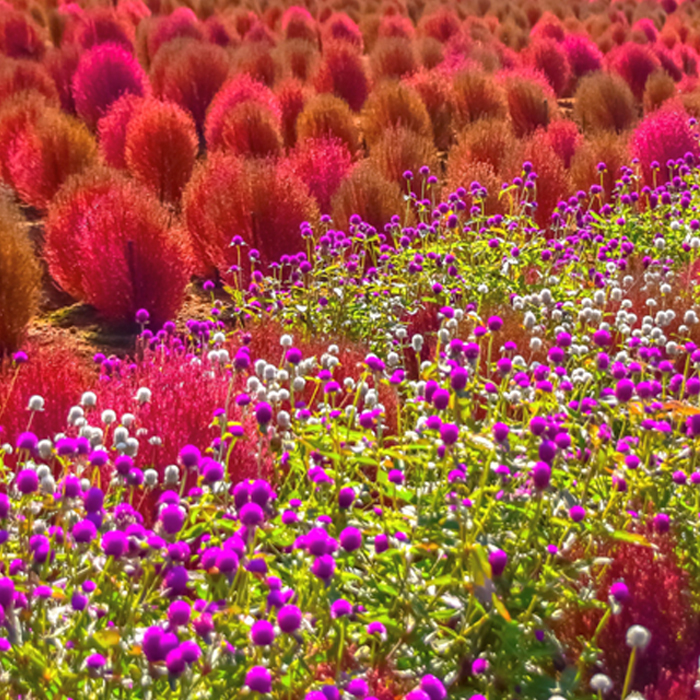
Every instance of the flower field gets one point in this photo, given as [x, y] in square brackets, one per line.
[396, 389]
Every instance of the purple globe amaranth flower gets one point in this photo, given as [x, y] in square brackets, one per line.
[179, 613]
[151, 644]
[620, 592]
[498, 560]
[350, 539]
[381, 543]
[93, 499]
[190, 651]
[358, 688]
[340, 608]
[500, 432]
[377, 628]
[417, 695]
[323, 567]
[577, 513]
[459, 378]
[251, 514]
[176, 579]
[172, 518]
[95, 662]
[346, 497]
[190, 456]
[263, 413]
[27, 481]
[114, 543]
[7, 593]
[624, 390]
[662, 523]
[213, 471]
[174, 662]
[441, 399]
[547, 451]
[449, 433]
[479, 666]
[494, 323]
[262, 633]
[84, 531]
[259, 680]
[289, 619]
[203, 625]
[27, 441]
[541, 474]
[433, 687]
[693, 425]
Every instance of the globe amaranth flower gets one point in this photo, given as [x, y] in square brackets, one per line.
[114, 543]
[179, 613]
[376, 628]
[95, 662]
[251, 514]
[27, 441]
[541, 474]
[662, 523]
[346, 497]
[498, 560]
[340, 608]
[449, 433]
[259, 680]
[433, 687]
[263, 413]
[27, 481]
[323, 567]
[190, 651]
[619, 592]
[638, 637]
[350, 539]
[289, 618]
[358, 688]
[262, 633]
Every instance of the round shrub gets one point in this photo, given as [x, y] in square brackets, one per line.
[435, 90]
[343, 74]
[339, 28]
[394, 104]
[328, 116]
[264, 205]
[400, 149]
[239, 89]
[603, 147]
[112, 127]
[659, 88]
[297, 23]
[61, 65]
[20, 278]
[477, 96]
[17, 114]
[190, 73]
[292, 97]
[250, 129]
[20, 37]
[160, 148]
[23, 75]
[584, 56]
[182, 23]
[297, 57]
[531, 103]
[635, 64]
[110, 244]
[548, 56]
[392, 57]
[367, 193]
[604, 102]
[104, 74]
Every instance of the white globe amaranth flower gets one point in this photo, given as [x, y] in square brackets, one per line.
[260, 367]
[286, 341]
[417, 342]
[48, 484]
[43, 471]
[601, 683]
[219, 338]
[132, 446]
[299, 383]
[88, 399]
[36, 403]
[74, 414]
[171, 475]
[283, 419]
[638, 637]
[150, 477]
[45, 448]
[143, 395]
[128, 420]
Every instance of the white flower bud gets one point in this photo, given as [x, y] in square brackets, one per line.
[120, 435]
[283, 395]
[637, 637]
[132, 446]
[75, 413]
[529, 320]
[283, 419]
[171, 475]
[150, 477]
[128, 419]
[286, 341]
[219, 338]
[36, 403]
[333, 349]
[45, 447]
[417, 342]
[601, 683]
[298, 384]
[48, 484]
[535, 344]
[143, 395]
[88, 399]
[42, 471]
[260, 367]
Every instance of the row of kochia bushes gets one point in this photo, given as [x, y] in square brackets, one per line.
[140, 138]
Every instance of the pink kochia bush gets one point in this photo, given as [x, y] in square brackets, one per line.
[111, 129]
[104, 74]
[111, 244]
[161, 147]
[262, 206]
[663, 136]
[241, 88]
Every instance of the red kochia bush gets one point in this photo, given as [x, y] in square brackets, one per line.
[435, 90]
[342, 73]
[101, 25]
[160, 148]
[16, 115]
[240, 88]
[250, 129]
[292, 99]
[297, 23]
[24, 75]
[565, 139]
[104, 74]
[19, 37]
[190, 73]
[46, 153]
[228, 196]
[110, 244]
[111, 129]
[584, 56]
[396, 26]
[181, 23]
[321, 163]
[635, 64]
[443, 24]
[548, 56]
[340, 28]
[326, 115]
[662, 136]
[61, 65]
[531, 102]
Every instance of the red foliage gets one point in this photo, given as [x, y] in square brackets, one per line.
[101, 25]
[292, 97]
[635, 64]
[16, 116]
[393, 58]
[322, 164]
[435, 90]
[190, 73]
[548, 27]
[111, 129]
[658, 601]
[181, 23]
[239, 89]
[342, 73]
[104, 74]
[443, 25]
[661, 136]
[549, 57]
[565, 139]
[61, 65]
[46, 153]
[160, 148]
[19, 37]
[297, 23]
[54, 371]
[228, 196]
[340, 28]
[110, 244]
[219, 32]
[531, 102]
[396, 26]
[251, 130]
[22, 75]
[584, 56]
[668, 62]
